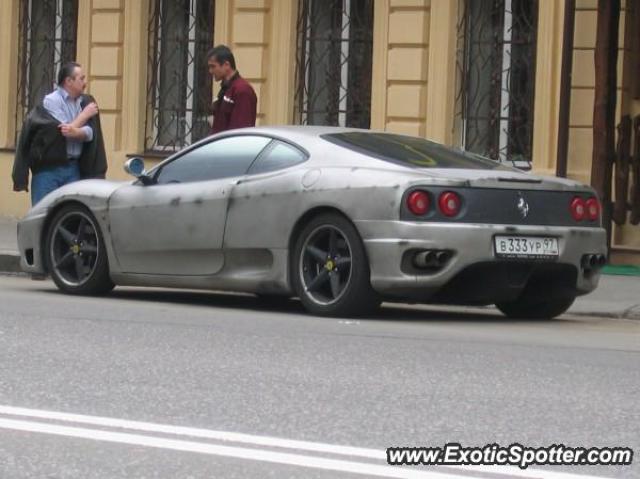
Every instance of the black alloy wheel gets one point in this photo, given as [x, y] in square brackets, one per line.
[325, 264]
[75, 253]
[331, 270]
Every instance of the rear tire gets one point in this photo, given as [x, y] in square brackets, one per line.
[527, 308]
[75, 253]
[330, 269]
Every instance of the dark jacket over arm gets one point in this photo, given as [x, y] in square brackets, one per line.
[93, 161]
[40, 145]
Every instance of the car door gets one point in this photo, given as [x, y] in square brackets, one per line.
[176, 225]
[270, 192]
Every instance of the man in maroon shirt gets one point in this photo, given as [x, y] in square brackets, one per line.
[236, 104]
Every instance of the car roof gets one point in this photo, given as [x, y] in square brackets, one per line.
[296, 133]
[306, 130]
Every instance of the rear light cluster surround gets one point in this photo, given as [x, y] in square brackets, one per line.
[585, 209]
[426, 204]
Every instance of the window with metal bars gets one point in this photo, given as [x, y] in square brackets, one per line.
[496, 69]
[179, 85]
[333, 62]
[48, 30]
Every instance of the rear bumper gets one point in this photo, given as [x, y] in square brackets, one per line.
[387, 242]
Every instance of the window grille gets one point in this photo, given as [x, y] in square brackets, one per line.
[496, 68]
[48, 30]
[333, 62]
[179, 86]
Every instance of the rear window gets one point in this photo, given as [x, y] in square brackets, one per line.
[412, 152]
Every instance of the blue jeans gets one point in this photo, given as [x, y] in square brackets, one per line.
[49, 179]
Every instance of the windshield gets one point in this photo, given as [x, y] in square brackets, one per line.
[411, 151]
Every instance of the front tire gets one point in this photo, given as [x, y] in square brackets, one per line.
[527, 308]
[330, 269]
[75, 253]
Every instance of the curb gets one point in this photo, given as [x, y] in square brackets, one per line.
[10, 262]
[631, 314]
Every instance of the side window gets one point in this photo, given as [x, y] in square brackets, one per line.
[279, 156]
[223, 158]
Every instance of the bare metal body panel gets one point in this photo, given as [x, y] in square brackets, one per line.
[236, 233]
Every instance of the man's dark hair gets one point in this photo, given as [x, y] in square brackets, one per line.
[66, 71]
[221, 54]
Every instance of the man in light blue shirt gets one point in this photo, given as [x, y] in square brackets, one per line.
[64, 105]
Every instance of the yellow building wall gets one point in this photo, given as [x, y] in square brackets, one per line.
[400, 66]
[101, 49]
[246, 25]
[11, 204]
[413, 75]
[626, 238]
[583, 89]
[112, 48]
[262, 36]
[104, 29]
[580, 157]
[547, 86]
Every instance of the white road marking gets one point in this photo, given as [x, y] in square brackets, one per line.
[226, 451]
[252, 440]
[196, 432]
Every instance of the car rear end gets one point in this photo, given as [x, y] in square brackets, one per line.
[471, 230]
[482, 245]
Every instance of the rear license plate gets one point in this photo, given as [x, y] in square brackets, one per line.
[531, 247]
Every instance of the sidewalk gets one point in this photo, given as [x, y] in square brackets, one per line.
[616, 296]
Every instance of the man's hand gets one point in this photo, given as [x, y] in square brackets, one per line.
[83, 117]
[69, 131]
[90, 110]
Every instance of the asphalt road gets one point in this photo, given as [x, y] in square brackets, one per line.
[134, 369]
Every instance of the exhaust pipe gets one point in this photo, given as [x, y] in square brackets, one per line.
[425, 259]
[442, 257]
[432, 259]
[593, 261]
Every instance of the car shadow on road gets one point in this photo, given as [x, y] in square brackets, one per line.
[292, 306]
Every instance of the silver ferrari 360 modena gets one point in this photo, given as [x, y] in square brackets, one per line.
[341, 218]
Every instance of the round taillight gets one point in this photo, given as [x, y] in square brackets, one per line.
[418, 202]
[578, 208]
[449, 203]
[593, 209]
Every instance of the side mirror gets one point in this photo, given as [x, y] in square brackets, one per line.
[135, 167]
